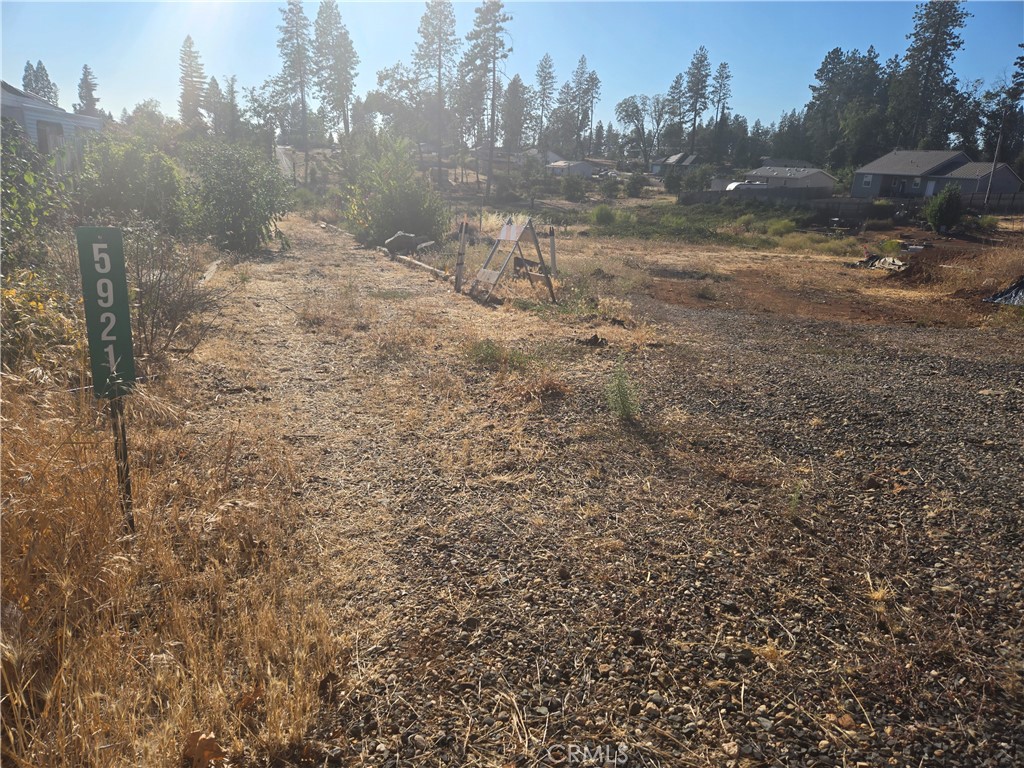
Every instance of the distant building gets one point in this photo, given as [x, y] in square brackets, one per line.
[50, 128]
[681, 163]
[924, 173]
[799, 178]
[580, 168]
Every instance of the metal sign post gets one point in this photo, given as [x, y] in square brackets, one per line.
[108, 324]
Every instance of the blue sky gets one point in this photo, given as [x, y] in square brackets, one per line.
[773, 48]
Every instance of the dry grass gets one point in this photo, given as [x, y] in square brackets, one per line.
[115, 648]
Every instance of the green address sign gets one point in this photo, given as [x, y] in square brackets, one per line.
[107, 313]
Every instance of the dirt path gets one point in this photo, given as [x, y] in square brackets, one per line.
[807, 551]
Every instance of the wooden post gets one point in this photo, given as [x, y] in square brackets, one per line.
[124, 479]
[554, 256]
[460, 259]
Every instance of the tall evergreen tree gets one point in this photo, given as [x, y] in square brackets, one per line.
[213, 106]
[923, 98]
[232, 110]
[296, 68]
[36, 80]
[487, 49]
[545, 79]
[334, 63]
[698, 76]
[435, 59]
[721, 90]
[192, 79]
[87, 100]
[514, 109]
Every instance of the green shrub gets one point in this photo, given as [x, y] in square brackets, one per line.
[635, 185]
[125, 177]
[610, 188]
[387, 195]
[988, 223]
[34, 199]
[240, 196]
[944, 210]
[603, 216]
[745, 222]
[781, 227]
[673, 182]
[39, 327]
[573, 189]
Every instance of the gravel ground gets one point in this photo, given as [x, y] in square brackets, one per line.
[806, 550]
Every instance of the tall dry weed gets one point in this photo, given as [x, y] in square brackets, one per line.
[116, 648]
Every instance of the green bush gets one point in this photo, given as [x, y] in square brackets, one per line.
[944, 210]
[125, 177]
[240, 196]
[781, 227]
[573, 189]
[673, 182]
[635, 185]
[386, 194]
[603, 216]
[34, 199]
[610, 188]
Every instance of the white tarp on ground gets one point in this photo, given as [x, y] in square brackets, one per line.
[1014, 295]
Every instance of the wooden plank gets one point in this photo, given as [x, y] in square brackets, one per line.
[489, 276]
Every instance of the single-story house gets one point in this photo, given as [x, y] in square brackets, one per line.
[924, 172]
[681, 163]
[580, 168]
[801, 178]
[534, 154]
[48, 127]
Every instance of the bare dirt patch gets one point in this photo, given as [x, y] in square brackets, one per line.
[806, 550]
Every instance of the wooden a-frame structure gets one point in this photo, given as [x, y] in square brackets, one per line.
[487, 279]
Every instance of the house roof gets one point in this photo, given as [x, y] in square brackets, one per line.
[913, 162]
[789, 173]
[971, 171]
[36, 100]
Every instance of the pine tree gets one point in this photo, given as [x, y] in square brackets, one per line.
[487, 49]
[698, 75]
[721, 90]
[213, 106]
[232, 111]
[36, 80]
[294, 46]
[192, 80]
[545, 91]
[87, 100]
[434, 59]
[514, 114]
[334, 64]
[923, 97]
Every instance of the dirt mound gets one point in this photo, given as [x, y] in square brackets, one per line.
[928, 267]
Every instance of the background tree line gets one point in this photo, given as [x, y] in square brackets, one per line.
[454, 94]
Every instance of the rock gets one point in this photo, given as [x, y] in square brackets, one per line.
[731, 749]
[636, 637]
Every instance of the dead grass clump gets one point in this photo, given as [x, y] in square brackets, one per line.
[543, 390]
[115, 649]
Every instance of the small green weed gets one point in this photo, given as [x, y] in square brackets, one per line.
[621, 395]
[489, 354]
